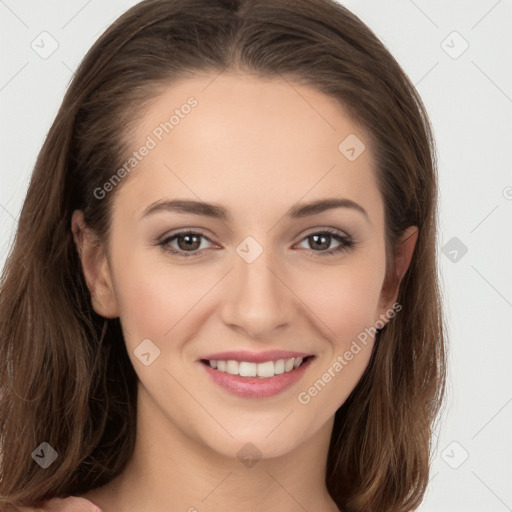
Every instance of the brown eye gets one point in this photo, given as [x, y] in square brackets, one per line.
[320, 242]
[189, 242]
[185, 243]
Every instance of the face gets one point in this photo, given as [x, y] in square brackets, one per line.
[258, 281]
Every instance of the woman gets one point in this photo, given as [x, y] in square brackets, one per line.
[223, 289]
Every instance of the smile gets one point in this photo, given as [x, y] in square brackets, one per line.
[256, 375]
[263, 370]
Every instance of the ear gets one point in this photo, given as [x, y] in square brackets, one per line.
[95, 267]
[403, 257]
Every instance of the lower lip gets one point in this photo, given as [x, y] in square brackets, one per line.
[253, 387]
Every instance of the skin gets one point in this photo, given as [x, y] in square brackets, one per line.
[256, 147]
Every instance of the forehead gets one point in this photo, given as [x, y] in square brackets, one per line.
[258, 141]
[248, 110]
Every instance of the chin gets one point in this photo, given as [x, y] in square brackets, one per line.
[258, 441]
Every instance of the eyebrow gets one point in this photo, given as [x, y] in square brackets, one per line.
[219, 212]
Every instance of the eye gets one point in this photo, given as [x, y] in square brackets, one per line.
[321, 240]
[189, 243]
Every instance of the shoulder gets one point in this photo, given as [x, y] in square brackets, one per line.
[70, 504]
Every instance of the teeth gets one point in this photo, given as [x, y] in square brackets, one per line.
[247, 369]
[266, 370]
[262, 370]
[232, 367]
[279, 367]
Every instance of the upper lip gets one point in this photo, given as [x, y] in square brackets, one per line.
[254, 357]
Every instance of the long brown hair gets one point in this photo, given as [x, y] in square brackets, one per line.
[65, 376]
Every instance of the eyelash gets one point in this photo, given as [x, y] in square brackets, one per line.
[346, 243]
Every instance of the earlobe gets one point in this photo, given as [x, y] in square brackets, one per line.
[403, 257]
[95, 267]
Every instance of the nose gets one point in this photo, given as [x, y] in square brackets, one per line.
[258, 299]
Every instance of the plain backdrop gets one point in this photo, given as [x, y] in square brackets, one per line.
[458, 53]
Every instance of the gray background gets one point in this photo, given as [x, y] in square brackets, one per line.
[468, 93]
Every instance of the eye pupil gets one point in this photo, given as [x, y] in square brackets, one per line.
[320, 245]
[190, 244]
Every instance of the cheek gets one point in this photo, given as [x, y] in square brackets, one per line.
[153, 298]
[348, 307]
[346, 298]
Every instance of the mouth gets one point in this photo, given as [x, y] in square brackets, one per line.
[263, 370]
[256, 375]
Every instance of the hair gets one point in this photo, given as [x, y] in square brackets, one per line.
[65, 375]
